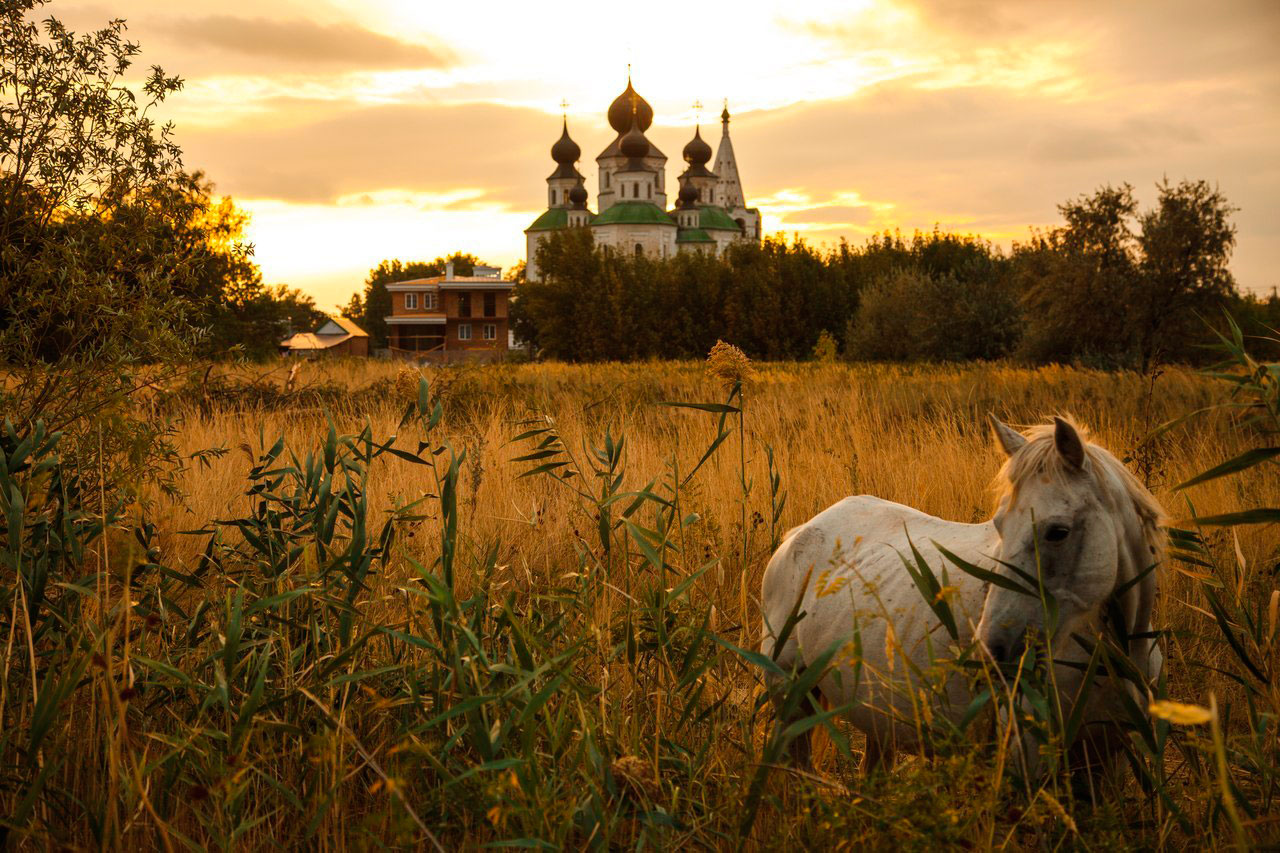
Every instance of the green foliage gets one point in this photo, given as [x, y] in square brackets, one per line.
[826, 349]
[1119, 287]
[912, 315]
[1113, 286]
[90, 279]
[771, 299]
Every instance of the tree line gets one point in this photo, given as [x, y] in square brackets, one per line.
[1112, 286]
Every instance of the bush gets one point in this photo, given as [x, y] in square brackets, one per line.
[911, 315]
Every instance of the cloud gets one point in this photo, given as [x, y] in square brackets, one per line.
[994, 161]
[835, 214]
[345, 150]
[300, 43]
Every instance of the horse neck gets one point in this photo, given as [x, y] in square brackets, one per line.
[1135, 553]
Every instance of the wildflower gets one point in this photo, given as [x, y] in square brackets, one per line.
[729, 364]
[637, 774]
[1180, 713]
[1059, 810]
[407, 383]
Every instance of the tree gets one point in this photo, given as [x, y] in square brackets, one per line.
[375, 305]
[912, 315]
[1186, 243]
[1117, 287]
[89, 290]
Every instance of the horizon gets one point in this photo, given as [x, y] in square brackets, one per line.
[357, 132]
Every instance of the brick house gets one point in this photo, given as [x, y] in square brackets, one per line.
[448, 317]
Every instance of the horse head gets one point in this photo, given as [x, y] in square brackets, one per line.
[1074, 522]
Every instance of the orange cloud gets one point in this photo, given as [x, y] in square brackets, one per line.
[298, 43]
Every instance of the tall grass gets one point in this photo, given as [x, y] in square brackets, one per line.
[516, 605]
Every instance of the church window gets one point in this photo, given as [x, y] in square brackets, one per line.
[648, 188]
[639, 250]
[553, 196]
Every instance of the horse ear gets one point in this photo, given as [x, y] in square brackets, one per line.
[1068, 442]
[1010, 439]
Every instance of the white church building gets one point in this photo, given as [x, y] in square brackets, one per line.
[709, 211]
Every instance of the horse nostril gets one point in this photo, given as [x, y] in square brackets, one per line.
[998, 651]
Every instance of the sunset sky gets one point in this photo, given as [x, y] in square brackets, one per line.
[356, 131]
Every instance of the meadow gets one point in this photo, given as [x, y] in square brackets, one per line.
[529, 620]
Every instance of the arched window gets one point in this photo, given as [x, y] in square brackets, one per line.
[553, 196]
[639, 250]
[742, 225]
[648, 190]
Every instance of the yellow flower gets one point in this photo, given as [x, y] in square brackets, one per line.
[1180, 713]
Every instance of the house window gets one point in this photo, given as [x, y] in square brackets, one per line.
[464, 304]
[491, 305]
[410, 300]
[429, 301]
[490, 332]
[464, 331]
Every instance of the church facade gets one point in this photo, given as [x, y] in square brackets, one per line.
[709, 211]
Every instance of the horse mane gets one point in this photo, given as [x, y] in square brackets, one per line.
[1039, 457]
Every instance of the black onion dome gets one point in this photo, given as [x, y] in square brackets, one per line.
[578, 195]
[634, 144]
[688, 195]
[565, 151]
[697, 152]
[622, 107]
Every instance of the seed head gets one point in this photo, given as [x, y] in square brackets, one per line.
[729, 364]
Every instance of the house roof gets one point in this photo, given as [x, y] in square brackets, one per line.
[471, 282]
[693, 235]
[320, 339]
[716, 218]
[349, 326]
[312, 341]
[552, 220]
[633, 213]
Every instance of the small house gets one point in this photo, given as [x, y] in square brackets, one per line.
[338, 336]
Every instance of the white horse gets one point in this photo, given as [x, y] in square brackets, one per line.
[1065, 506]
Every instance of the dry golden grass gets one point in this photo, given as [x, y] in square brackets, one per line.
[916, 435]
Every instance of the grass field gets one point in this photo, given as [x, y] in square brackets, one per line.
[516, 659]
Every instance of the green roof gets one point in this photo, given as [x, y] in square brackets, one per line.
[716, 218]
[693, 235]
[554, 219]
[551, 220]
[633, 213]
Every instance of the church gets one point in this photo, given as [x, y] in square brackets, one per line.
[709, 213]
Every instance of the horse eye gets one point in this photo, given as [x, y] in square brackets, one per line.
[1057, 532]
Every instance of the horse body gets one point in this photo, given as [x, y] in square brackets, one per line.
[845, 566]
[1069, 515]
